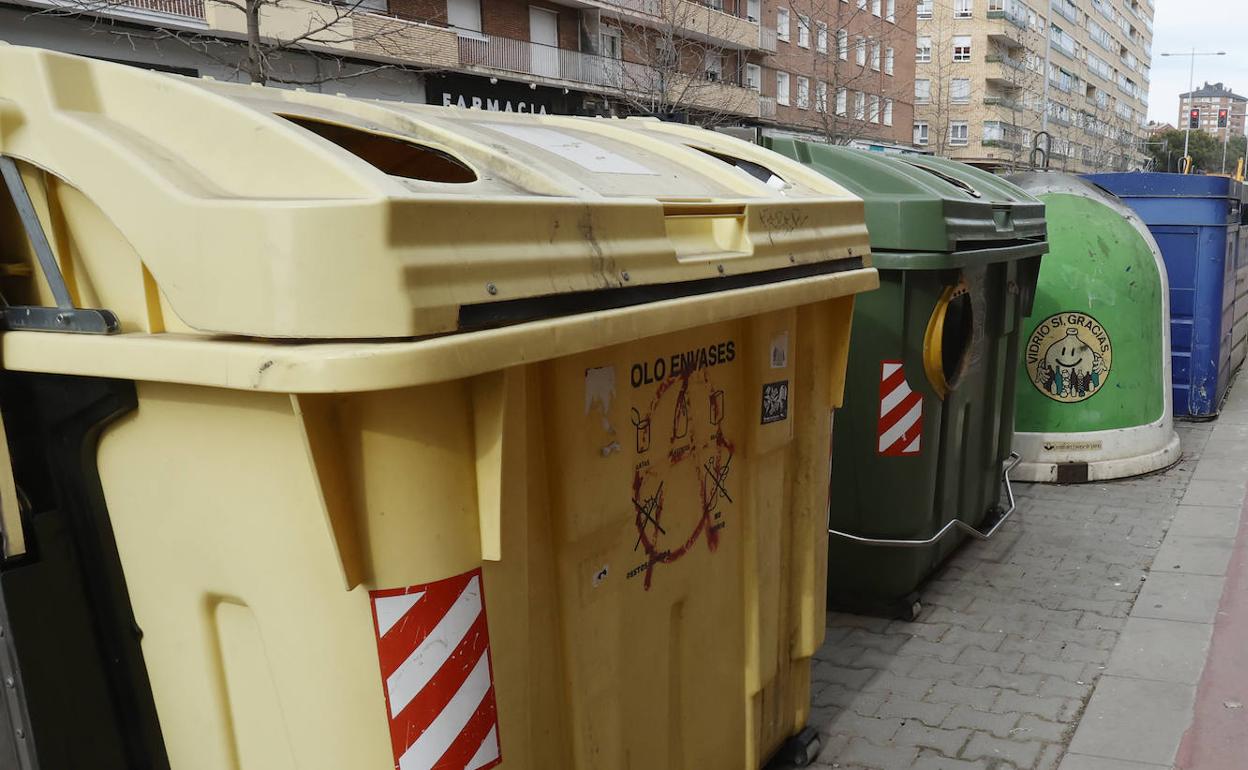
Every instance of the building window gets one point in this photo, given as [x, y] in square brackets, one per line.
[803, 93]
[959, 133]
[860, 50]
[782, 24]
[961, 47]
[924, 50]
[873, 110]
[464, 14]
[821, 96]
[862, 5]
[860, 105]
[888, 112]
[842, 44]
[782, 87]
[842, 101]
[803, 31]
[890, 11]
[922, 91]
[960, 90]
[924, 9]
[920, 132]
[875, 56]
[962, 9]
[821, 36]
[889, 58]
[876, 7]
[753, 76]
[713, 66]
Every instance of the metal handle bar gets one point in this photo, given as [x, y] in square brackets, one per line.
[1012, 461]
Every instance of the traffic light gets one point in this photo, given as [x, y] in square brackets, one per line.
[1193, 118]
[1221, 118]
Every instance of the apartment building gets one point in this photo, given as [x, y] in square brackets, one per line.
[832, 69]
[1210, 100]
[841, 70]
[983, 94]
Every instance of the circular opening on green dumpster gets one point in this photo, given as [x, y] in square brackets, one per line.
[948, 339]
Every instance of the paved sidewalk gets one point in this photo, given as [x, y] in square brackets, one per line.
[1074, 640]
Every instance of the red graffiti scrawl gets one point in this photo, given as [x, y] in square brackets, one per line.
[697, 458]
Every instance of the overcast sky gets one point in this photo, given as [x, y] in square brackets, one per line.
[1209, 25]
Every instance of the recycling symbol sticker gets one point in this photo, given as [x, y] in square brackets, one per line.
[1069, 357]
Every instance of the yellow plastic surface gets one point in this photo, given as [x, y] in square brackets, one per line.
[251, 526]
[197, 206]
[260, 490]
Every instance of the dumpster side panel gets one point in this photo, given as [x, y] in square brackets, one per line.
[654, 523]
[253, 645]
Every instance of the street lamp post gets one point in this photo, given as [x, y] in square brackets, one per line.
[1191, 86]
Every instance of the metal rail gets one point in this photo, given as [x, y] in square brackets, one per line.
[64, 317]
[1010, 463]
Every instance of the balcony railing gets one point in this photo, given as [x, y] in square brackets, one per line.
[502, 53]
[191, 10]
[1004, 101]
[766, 106]
[1011, 12]
[996, 58]
[1063, 43]
[647, 7]
[1072, 14]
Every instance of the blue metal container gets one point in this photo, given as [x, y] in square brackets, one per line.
[1195, 220]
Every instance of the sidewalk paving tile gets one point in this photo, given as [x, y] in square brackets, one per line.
[1193, 598]
[1135, 719]
[1165, 650]
[1194, 555]
[1206, 521]
[1207, 492]
[1085, 762]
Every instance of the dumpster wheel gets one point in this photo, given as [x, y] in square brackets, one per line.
[801, 750]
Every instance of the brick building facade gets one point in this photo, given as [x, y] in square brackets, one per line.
[1210, 99]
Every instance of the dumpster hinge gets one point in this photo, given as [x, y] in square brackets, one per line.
[64, 317]
[992, 525]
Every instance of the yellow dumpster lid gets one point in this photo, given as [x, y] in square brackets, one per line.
[267, 213]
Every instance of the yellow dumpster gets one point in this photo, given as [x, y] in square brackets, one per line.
[349, 435]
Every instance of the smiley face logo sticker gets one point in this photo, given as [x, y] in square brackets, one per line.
[1068, 357]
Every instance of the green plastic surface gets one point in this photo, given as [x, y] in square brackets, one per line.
[1101, 267]
[918, 204]
[934, 225]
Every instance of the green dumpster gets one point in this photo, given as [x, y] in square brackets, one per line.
[923, 440]
[1096, 399]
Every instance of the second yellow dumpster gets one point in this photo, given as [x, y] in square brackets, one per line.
[411, 437]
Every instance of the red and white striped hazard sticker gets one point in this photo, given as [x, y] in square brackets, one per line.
[434, 649]
[900, 429]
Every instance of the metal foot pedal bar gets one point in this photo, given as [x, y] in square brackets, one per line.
[64, 317]
[978, 534]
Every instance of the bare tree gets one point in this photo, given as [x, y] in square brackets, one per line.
[326, 29]
[856, 61]
[671, 67]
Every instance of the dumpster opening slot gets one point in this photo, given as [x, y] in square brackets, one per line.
[756, 171]
[948, 339]
[391, 154]
[953, 180]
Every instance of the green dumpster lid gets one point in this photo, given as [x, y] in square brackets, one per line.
[923, 204]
